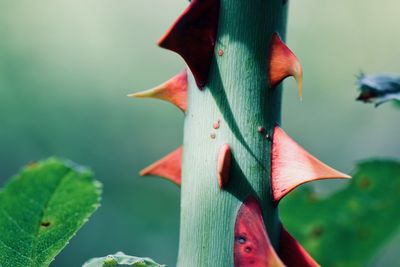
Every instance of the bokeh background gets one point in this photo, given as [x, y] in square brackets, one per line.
[67, 65]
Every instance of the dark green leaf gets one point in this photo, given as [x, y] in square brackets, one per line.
[349, 227]
[41, 209]
[120, 259]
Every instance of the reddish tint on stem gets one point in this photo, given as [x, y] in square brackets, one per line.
[283, 63]
[293, 166]
[193, 36]
[174, 91]
[168, 167]
[224, 165]
[252, 247]
[292, 253]
[217, 124]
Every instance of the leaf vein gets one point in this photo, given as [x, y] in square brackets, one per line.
[16, 251]
[11, 219]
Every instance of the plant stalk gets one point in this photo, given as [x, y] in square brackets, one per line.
[237, 95]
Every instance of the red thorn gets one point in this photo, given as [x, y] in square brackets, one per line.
[174, 91]
[168, 167]
[293, 166]
[224, 165]
[193, 36]
[292, 253]
[252, 247]
[283, 63]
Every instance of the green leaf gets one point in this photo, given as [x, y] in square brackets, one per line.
[120, 259]
[347, 228]
[41, 209]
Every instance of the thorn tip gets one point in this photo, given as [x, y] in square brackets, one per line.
[283, 63]
[174, 91]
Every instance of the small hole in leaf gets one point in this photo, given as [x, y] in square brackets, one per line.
[45, 224]
[248, 249]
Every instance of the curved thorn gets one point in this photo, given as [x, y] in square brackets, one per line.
[193, 37]
[168, 167]
[284, 63]
[174, 91]
[293, 166]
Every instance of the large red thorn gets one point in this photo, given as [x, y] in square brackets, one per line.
[292, 253]
[252, 247]
[174, 91]
[193, 36]
[283, 63]
[224, 165]
[293, 166]
[168, 167]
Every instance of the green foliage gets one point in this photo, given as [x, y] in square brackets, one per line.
[120, 259]
[347, 228]
[41, 209]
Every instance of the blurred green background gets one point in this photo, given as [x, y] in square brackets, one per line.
[67, 65]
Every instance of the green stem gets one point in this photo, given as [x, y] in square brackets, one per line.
[239, 96]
